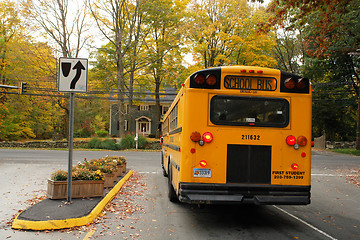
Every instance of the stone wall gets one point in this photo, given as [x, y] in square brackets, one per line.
[332, 145]
[43, 144]
[62, 144]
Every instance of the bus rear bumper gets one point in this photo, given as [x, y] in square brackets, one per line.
[203, 193]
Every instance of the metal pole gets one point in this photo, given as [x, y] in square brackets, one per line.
[71, 140]
[358, 126]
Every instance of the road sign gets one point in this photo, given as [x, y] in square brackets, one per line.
[73, 75]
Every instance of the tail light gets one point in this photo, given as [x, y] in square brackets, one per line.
[302, 140]
[210, 79]
[199, 79]
[203, 163]
[290, 83]
[301, 84]
[295, 166]
[293, 83]
[207, 137]
[206, 79]
[291, 140]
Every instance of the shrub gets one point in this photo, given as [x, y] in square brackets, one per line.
[108, 144]
[142, 142]
[94, 143]
[102, 133]
[127, 142]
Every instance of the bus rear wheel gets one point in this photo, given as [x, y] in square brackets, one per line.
[162, 165]
[171, 192]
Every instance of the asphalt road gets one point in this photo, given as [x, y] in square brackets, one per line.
[142, 210]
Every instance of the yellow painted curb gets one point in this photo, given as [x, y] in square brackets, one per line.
[72, 222]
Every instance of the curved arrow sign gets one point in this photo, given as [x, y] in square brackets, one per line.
[72, 75]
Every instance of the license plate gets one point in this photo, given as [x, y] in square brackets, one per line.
[202, 172]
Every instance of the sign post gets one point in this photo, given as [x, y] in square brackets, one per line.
[72, 79]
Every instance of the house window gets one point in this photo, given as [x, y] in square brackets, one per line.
[164, 109]
[144, 107]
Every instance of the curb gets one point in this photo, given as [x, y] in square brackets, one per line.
[72, 222]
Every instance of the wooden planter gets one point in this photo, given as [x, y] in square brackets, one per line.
[80, 189]
[120, 170]
[123, 168]
[109, 179]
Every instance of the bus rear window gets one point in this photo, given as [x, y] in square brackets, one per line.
[249, 111]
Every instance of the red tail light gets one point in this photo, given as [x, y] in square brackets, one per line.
[302, 140]
[199, 79]
[301, 83]
[295, 166]
[291, 140]
[207, 137]
[211, 80]
[290, 83]
[203, 163]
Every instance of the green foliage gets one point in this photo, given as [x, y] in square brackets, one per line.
[347, 151]
[102, 133]
[128, 142]
[94, 143]
[108, 144]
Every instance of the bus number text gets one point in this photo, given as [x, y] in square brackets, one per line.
[251, 137]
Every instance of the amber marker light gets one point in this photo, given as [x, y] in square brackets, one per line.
[195, 136]
[302, 140]
[203, 163]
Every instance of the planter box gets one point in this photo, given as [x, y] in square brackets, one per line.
[121, 170]
[109, 179]
[80, 189]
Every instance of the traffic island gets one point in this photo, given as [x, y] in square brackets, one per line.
[57, 214]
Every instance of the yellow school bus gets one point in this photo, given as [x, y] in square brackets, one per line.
[239, 134]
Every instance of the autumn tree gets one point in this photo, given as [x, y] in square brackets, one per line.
[163, 44]
[224, 32]
[65, 26]
[116, 19]
[331, 39]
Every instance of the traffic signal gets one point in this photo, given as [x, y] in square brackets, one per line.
[23, 87]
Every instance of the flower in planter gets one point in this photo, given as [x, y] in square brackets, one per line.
[119, 160]
[106, 169]
[97, 175]
[59, 175]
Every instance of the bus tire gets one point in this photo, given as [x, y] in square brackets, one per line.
[171, 191]
[162, 165]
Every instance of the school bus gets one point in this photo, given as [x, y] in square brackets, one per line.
[239, 134]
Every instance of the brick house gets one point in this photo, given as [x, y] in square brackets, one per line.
[143, 113]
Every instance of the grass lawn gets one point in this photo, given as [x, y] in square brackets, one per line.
[351, 151]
